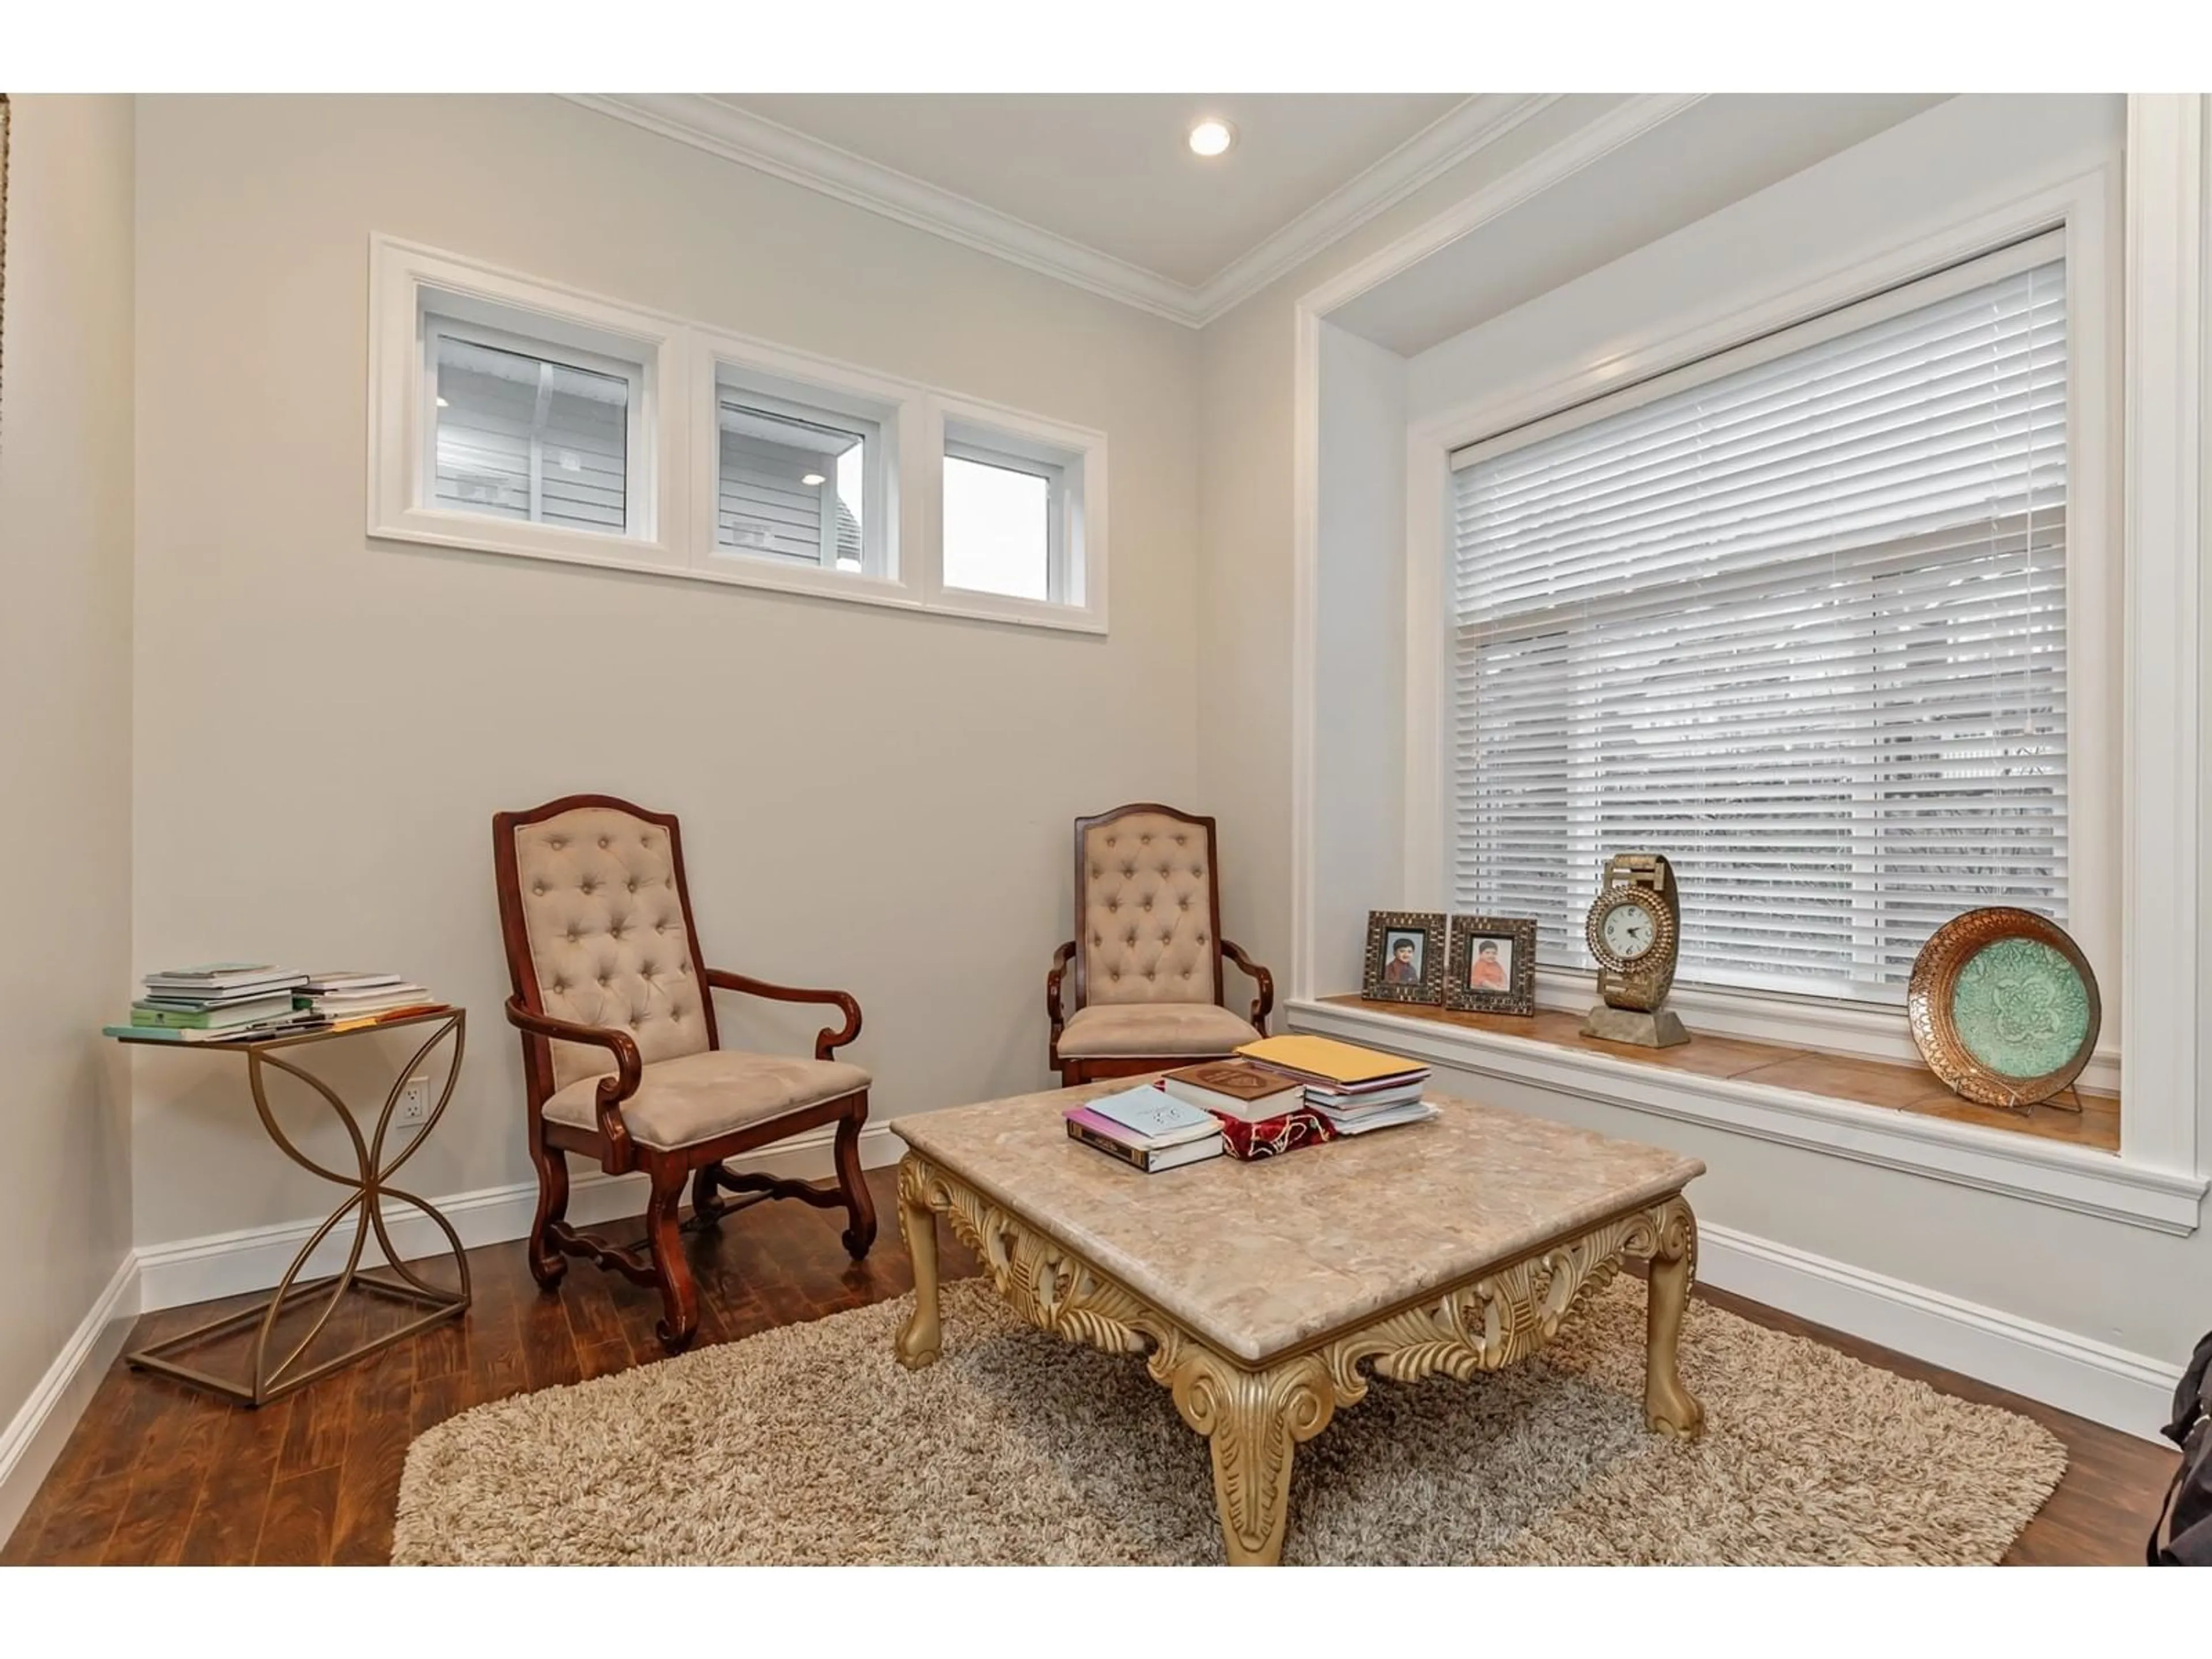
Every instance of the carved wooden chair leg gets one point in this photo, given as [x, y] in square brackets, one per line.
[679, 1294]
[707, 1195]
[547, 1264]
[852, 1182]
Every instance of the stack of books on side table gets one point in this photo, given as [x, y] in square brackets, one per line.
[216, 1002]
[1146, 1128]
[347, 997]
[1355, 1089]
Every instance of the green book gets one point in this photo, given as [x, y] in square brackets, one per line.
[211, 1019]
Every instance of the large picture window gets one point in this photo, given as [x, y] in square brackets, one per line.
[1796, 617]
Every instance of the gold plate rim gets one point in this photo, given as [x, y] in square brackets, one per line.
[1934, 1033]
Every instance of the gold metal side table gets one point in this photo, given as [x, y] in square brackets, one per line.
[368, 1188]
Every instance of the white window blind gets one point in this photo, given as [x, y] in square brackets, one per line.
[524, 437]
[1799, 623]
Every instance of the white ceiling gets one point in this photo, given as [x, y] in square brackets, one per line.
[1716, 151]
[1112, 171]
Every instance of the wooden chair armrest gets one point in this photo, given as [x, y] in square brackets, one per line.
[829, 1039]
[614, 1088]
[1264, 1004]
[1061, 958]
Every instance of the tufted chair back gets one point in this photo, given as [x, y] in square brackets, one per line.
[595, 887]
[1146, 899]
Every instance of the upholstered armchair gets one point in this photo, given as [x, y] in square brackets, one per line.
[1147, 989]
[622, 1060]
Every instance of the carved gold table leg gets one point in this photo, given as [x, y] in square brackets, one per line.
[1251, 1420]
[1667, 1406]
[919, 1341]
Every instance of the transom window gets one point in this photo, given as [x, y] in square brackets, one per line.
[522, 431]
[1795, 615]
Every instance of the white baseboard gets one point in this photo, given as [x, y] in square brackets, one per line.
[31, 1442]
[2091, 1379]
[229, 1264]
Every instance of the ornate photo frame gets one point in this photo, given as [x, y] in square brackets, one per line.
[1510, 952]
[1406, 951]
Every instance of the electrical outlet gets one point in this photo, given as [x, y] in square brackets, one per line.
[415, 1100]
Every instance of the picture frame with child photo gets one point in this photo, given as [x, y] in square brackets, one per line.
[1404, 956]
[1494, 965]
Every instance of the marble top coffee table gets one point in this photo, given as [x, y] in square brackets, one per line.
[1265, 1292]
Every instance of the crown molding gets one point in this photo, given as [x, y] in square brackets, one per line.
[769, 147]
[1471, 125]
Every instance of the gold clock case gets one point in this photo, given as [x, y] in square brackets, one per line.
[1663, 929]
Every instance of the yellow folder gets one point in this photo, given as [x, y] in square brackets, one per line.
[1321, 1056]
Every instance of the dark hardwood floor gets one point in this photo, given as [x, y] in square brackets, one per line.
[156, 1472]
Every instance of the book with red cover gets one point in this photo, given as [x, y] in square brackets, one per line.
[1301, 1126]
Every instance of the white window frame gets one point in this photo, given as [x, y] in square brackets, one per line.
[2076, 207]
[672, 500]
[1072, 461]
[437, 327]
[791, 382]
[415, 293]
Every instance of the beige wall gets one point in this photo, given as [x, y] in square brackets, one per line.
[325, 725]
[65, 738]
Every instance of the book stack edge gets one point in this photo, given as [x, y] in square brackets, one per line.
[1254, 1106]
[246, 1001]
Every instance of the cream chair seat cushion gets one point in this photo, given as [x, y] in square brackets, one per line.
[695, 1097]
[1152, 1028]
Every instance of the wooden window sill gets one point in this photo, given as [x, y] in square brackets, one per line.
[1889, 1084]
[1891, 1115]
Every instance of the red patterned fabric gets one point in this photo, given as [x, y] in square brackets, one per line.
[1301, 1126]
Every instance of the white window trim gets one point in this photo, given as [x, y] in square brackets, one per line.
[899, 410]
[1733, 334]
[674, 439]
[2019, 1166]
[2154, 1181]
[404, 281]
[998, 435]
[637, 476]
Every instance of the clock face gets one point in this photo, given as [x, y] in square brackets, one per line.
[1627, 930]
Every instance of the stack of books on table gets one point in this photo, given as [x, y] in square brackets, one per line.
[1262, 1112]
[349, 997]
[216, 1002]
[1146, 1128]
[1355, 1089]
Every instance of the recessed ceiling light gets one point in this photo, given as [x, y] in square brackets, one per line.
[1212, 136]
[812, 479]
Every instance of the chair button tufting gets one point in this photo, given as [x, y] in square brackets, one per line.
[556, 843]
[633, 884]
[537, 888]
[603, 840]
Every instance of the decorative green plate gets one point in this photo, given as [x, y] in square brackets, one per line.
[2003, 1006]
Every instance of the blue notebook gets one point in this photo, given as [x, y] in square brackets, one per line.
[1151, 1112]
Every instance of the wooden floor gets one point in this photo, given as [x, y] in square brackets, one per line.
[156, 1472]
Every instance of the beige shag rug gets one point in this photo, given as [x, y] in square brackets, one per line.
[809, 1444]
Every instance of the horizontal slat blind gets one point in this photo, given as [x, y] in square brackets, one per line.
[504, 416]
[1801, 627]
